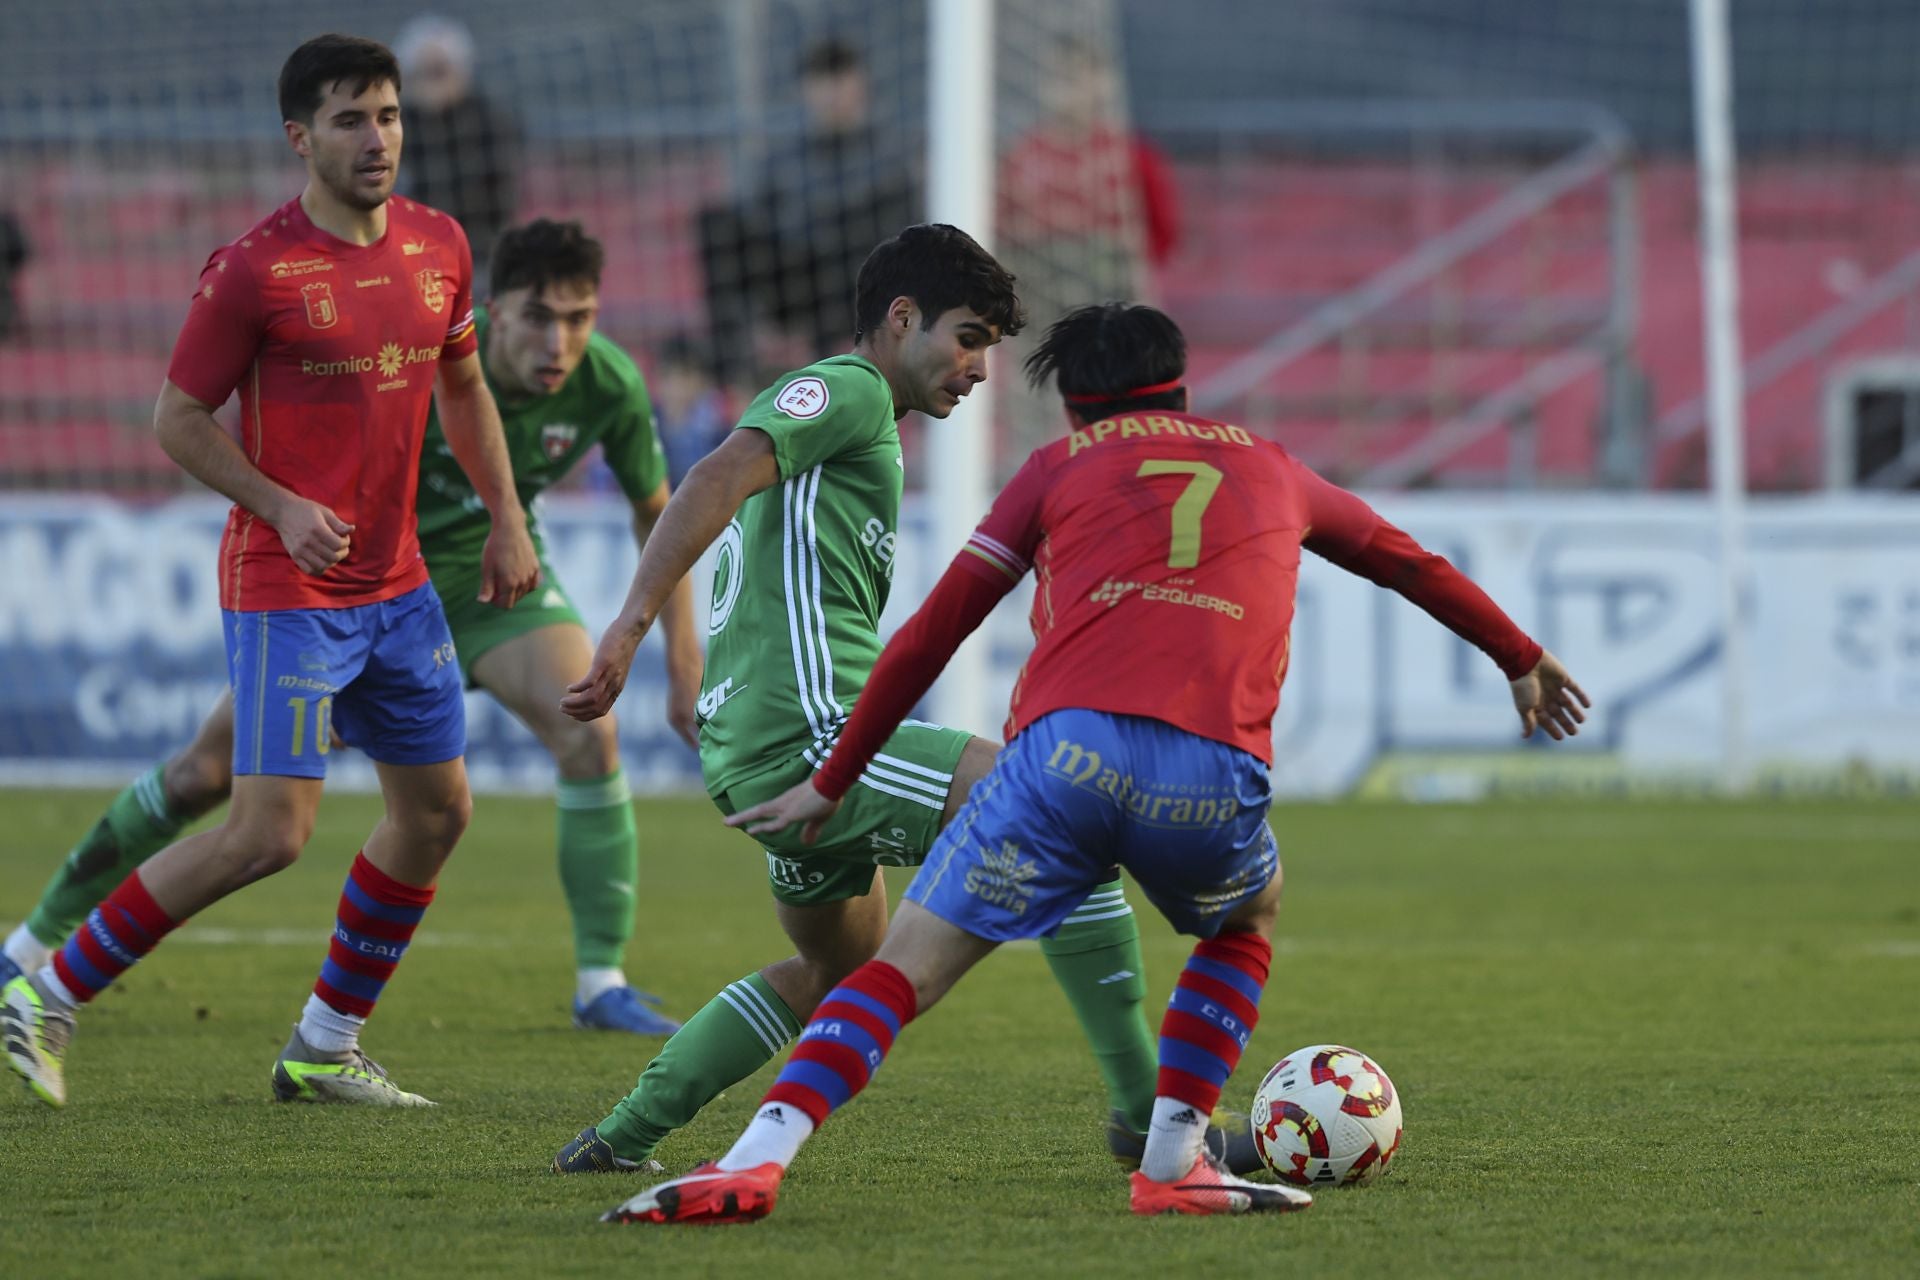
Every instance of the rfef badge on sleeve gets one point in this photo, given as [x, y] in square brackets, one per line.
[803, 398]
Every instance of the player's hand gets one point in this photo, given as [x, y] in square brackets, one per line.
[1547, 698]
[594, 694]
[798, 803]
[509, 567]
[683, 697]
[316, 538]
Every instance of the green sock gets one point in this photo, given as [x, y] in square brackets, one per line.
[1096, 959]
[738, 1032]
[138, 824]
[599, 863]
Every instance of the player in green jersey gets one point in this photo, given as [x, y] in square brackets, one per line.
[804, 499]
[561, 388]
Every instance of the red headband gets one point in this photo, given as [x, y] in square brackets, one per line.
[1152, 389]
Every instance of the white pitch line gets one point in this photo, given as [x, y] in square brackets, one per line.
[1905, 949]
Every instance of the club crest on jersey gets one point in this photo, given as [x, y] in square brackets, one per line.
[803, 398]
[556, 438]
[318, 296]
[433, 290]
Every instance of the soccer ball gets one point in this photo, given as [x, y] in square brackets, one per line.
[1326, 1116]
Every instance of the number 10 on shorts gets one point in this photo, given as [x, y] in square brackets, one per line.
[322, 724]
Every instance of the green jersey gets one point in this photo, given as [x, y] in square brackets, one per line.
[801, 573]
[604, 401]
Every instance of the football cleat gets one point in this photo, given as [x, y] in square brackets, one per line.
[304, 1074]
[36, 1034]
[1209, 1189]
[591, 1153]
[622, 1009]
[1229, 1141]
[708, 1195]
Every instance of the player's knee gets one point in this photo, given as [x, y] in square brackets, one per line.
[276, 856]
[197, 781]
[255, 851]
[590, 750]
[441, 823]
[824, 973]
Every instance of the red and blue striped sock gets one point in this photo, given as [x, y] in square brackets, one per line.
[116, 935]
[1214, 1009]
[845, 1041]
[377, 917]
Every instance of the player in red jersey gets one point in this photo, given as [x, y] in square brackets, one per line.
[1166, 548]
[338, 318]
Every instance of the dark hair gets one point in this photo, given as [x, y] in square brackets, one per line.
[1109, 348]
[328, 60]
[542, 252]
[940, 267]
[831, 57]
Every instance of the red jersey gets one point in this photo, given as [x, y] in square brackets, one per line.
[333, 347]
[1166, 549]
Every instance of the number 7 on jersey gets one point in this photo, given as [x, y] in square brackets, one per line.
[1184, 551]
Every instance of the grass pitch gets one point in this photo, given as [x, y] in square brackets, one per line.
[1651, 1038]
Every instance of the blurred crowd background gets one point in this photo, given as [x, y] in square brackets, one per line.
[1423, 243]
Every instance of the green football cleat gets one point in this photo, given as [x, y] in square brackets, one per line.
[304, 1074]
[36, 1035]
[591, 1153]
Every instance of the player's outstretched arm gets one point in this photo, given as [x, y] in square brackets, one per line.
[685, 663]
[742, 466]
[1548, 698]
[509, 566]
[314, 536]
[1351, 534]
[918, 652]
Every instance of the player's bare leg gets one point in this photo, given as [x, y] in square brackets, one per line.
[272, 818]
[919, 961]
[428, 808]
[597, 840]
[199, 777]
[269, 824]
[139, 822]
[388, 890]
[830, 941]
[1225, 978]
[754, 1018]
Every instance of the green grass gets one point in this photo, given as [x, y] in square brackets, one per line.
[1657, 1038]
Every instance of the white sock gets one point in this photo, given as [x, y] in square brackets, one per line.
[590, 984]
[26, 950]
[55, 989]
[1174, 1137]
[775, 1135]
[327, 1029]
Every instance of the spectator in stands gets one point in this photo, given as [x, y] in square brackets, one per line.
[1086, 190]
[689, 410]
[13, 256]
[1087, 210]
[463, 150]
[780, 259]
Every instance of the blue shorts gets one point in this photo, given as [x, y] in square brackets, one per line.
[1078, 791]
[383, 672]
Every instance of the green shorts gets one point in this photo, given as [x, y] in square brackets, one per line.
[479, 627]
[888, 819]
